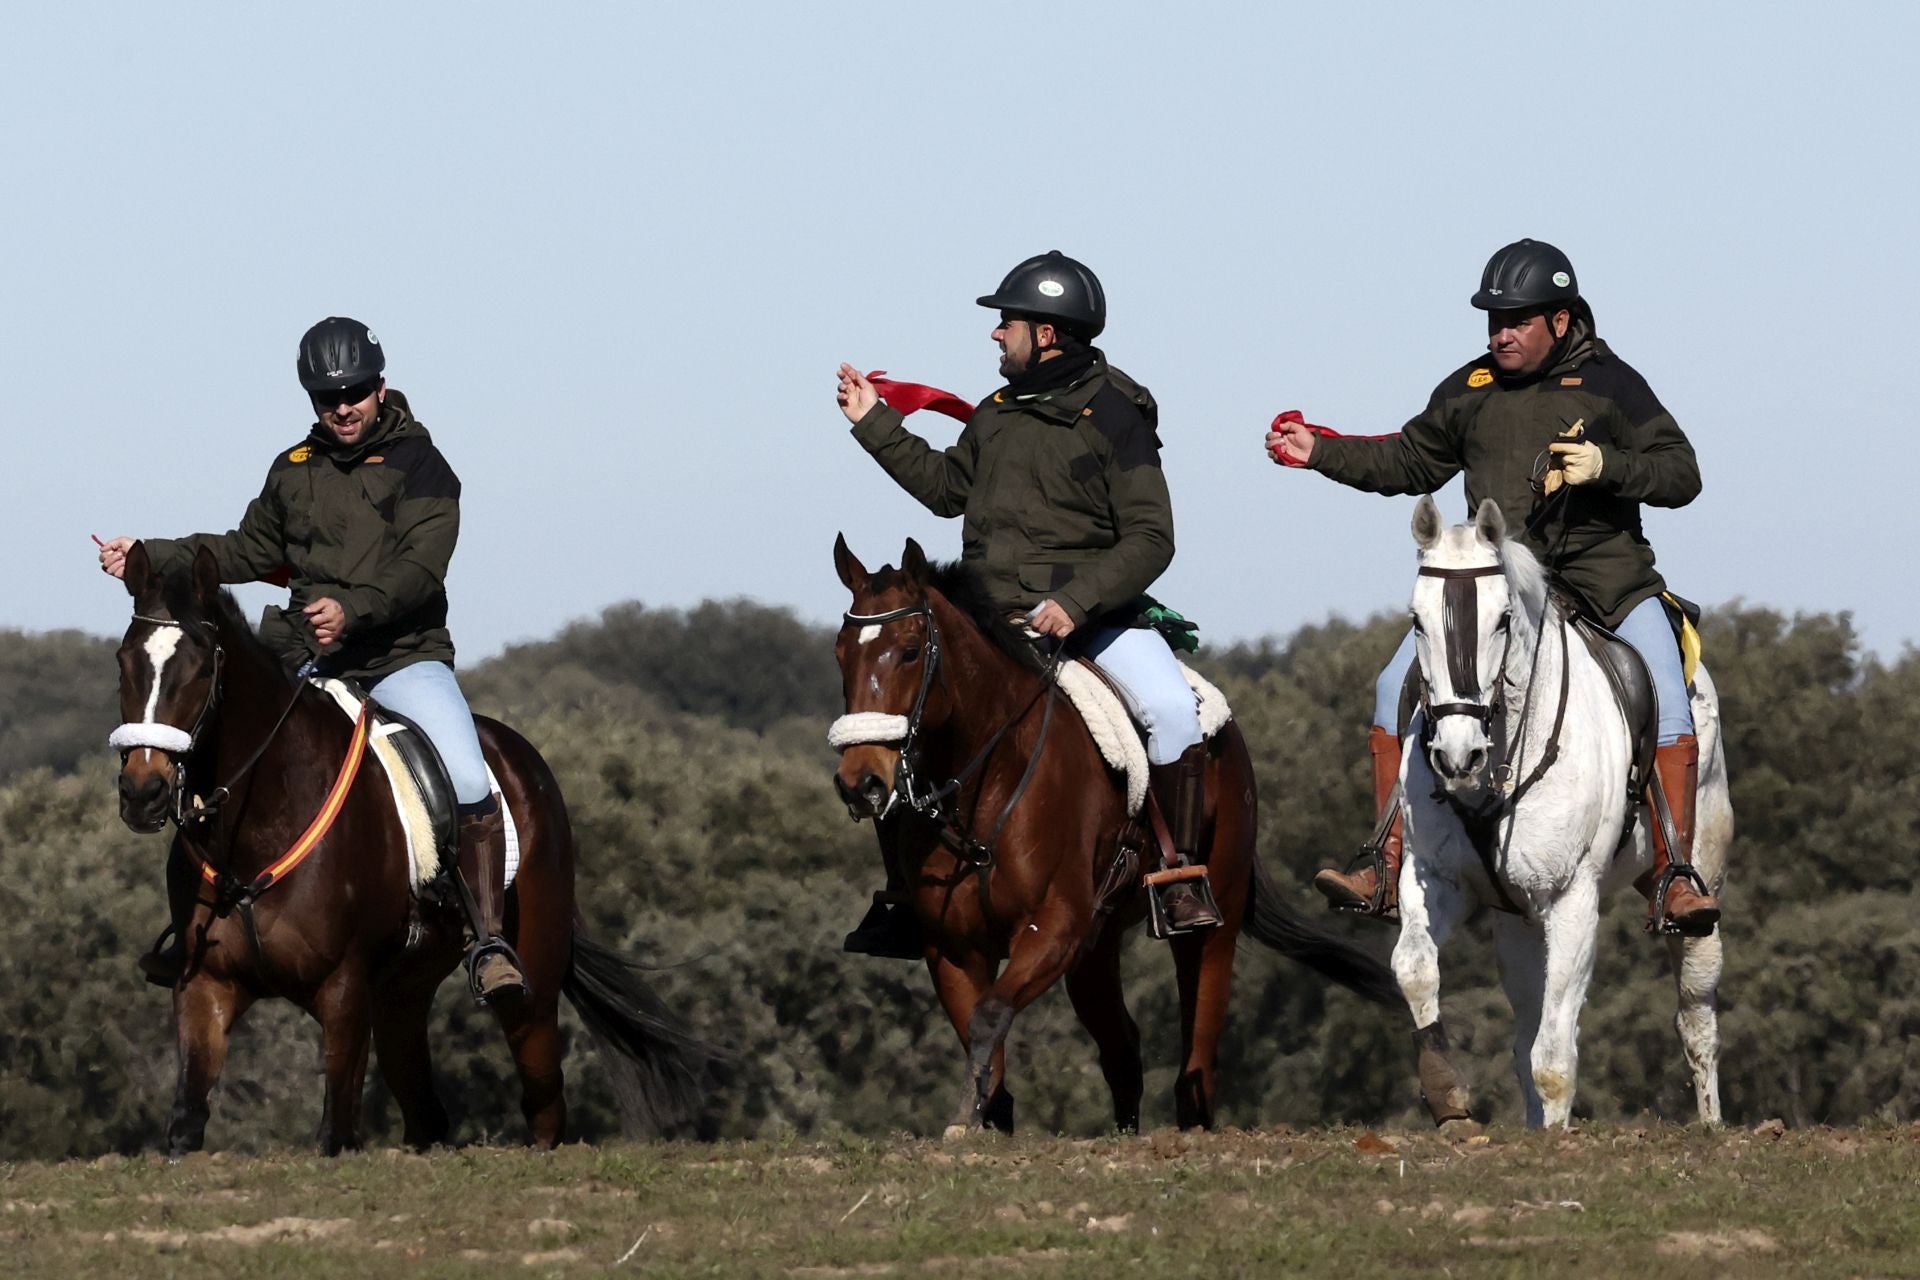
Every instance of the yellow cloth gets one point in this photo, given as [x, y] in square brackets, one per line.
[1690, 646]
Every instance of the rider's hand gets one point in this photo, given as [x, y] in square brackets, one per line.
[1575, 461]
[327, 619]
[1290, 443]
[857, 395]
[1049, 619]
[113, 556]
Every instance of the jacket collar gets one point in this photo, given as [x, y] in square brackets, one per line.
[1057, 390]
[396, 419]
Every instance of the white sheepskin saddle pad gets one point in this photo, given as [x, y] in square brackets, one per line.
[1113, 727]
[423, 854]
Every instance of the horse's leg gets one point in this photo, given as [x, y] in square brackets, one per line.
[1038, 954]
[960, 988]
[533, 1034]
[1429, 911]
[1521, 948]
[1203, 963]
[1571, 923]
[406, 1059]
[345, 1015]
[1101, 1004]
[204, 1012]
[1696, 975]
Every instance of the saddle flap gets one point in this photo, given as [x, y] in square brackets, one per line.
[428, 772]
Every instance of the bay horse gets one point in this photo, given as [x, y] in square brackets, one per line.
[342, 935]
[1006, 917]
[1540, 824]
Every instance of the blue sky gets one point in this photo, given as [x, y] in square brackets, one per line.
[616, 251]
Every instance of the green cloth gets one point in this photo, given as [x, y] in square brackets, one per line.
[1495, 430]
[373, 526]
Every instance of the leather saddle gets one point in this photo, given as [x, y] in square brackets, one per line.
[424, 767]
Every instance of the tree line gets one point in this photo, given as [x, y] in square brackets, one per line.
[690, 745]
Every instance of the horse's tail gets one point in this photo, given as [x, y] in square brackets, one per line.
[660, 1066]
[1273, 921]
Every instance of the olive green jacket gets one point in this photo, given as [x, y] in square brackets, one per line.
[1497, 431]
[1061, 489]
[372, 525]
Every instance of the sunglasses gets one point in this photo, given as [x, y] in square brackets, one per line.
[344, 395]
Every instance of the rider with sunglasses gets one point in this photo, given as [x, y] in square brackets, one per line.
[1569, 440]
[360, 520]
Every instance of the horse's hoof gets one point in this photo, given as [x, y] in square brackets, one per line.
[1459, 1130]
[954, 1132]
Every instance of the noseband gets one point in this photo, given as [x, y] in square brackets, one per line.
[909, 786]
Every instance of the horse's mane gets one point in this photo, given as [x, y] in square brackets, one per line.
[1526, 579]
[224, 615]
[966, 590]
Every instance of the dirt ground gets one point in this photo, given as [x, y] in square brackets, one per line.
[1605, 1201]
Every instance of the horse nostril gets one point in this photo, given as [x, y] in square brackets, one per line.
[1476, 760]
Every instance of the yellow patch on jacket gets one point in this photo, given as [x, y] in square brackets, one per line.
[1479, 378]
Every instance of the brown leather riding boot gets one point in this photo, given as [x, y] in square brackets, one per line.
[1688, 908]
[1365, 890]
[1181, 790]
[493, 969]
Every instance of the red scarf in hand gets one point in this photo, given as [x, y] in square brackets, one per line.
[910, 397]
[1294, 415]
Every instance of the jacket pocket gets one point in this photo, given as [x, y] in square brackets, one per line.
[1044, 578]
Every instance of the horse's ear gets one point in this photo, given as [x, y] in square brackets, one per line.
[853, 574]
[913, 562]
[206, 576]
[1426, 523]
[139, 569]
[1490, 524]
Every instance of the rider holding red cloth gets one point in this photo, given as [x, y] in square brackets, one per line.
[1569, 440]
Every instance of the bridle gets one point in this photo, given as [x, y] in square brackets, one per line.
[189, 809]
[1460, 628]
[910, 785]
[1460, 614]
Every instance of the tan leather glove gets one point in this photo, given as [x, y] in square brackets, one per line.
[1574, 460]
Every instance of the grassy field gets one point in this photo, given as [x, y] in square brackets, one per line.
[1660, 1201]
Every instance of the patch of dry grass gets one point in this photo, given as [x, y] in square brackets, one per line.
[1664, 1201]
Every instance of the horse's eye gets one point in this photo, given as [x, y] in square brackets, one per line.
[1505, 623]
[910, 654]
[1417, 628]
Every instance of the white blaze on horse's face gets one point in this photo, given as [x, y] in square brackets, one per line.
[1461, 627]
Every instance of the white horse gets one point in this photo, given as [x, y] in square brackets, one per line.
[1516, 798]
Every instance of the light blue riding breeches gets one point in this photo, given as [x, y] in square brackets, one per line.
[1646, 629]
[1152, 685]
[427, 694]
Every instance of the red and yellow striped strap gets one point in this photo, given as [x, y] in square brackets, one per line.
[322, 821]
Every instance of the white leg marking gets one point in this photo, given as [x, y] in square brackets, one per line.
[160, 646]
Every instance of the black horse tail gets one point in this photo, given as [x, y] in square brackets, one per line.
[660, 1066]
[1273, 921]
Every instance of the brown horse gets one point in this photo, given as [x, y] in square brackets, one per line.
[254, 755]
[1004, 874]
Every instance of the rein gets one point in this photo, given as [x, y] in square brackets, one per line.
[931, 802]
[229, 890]
[1461, 626]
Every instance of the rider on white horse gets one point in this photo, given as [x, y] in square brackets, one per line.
[1067, 519]
[1568, 440]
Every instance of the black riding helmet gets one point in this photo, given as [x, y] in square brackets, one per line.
[1527, 275]
[1054, 288]
[338, 353]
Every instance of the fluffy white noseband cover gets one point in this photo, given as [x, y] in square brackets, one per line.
[866, 726]
[162, 737]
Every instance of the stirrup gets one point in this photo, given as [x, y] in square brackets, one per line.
[495, 946]
[1376, 907]
[1159, 923]
[151, 959]
[1659, 922]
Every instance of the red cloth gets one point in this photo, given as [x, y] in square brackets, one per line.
[1294, 415]
[278, 577]
[911, 397]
